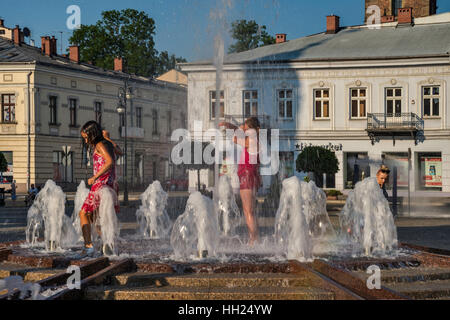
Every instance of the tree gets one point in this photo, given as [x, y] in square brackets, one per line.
[127, 34]
[248, 35]
[167, 62]
[317, 160]
[3, 163]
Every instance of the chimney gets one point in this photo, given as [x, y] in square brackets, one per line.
[332, 24]
[118, 64]
[17, 36]
[281, 38]
[53, 48]
[386, 19]
[405, 16]
[74, 53]
[2, 23]
[45, 45]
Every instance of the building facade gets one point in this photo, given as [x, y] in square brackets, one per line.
[369, 95]
[46, 98]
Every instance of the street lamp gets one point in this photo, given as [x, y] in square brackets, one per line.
[123, 94]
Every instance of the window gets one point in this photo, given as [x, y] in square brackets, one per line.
[358, 168]
[358, 105]
[121, 120]
[322, 103]
[285, 103]
[250, 103]
[8, 175]
[213, 101]
[52, 106]
[431, 101]
[98, 112]
[169, 123]
[394, 101]
[62, 166]
[73, 112]
[396, 4]
[183, 120]
[139, 117]
[155, 121]
[8, 108]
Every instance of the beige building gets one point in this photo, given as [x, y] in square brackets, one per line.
[46, 98]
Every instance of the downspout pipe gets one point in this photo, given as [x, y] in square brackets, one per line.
[29, 130]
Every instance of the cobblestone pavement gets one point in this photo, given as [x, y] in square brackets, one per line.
[431, 232]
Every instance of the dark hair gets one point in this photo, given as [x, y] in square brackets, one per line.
[384, 169]
[253, 123]
[94, 133]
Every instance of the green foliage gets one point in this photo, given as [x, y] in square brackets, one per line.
[317, 160]
[3, 163]
[167, 62]
[306, 179]
[128, 34]
[248, 35]
[333, 193]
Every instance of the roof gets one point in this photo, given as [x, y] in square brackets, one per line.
[174, 76]
[354, 43]
[12, 53]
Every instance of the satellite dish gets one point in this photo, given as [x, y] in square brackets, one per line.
[26, 32]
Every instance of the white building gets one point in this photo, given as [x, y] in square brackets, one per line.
[330, 88]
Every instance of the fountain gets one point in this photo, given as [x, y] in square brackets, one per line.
[47, 215]
[152, 217]
[367, 221]
[80, 197]
[107, 224]
[301, 221]
[229, 214]
[196, 232]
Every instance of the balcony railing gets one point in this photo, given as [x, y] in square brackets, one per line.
[264, 120]
[394, 125]
[390, 121]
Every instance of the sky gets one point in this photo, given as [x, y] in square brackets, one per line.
[187, 28]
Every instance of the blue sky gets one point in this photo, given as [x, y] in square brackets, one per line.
[187, 27]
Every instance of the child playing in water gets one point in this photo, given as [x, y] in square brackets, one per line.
[104, 151]
[248, 172]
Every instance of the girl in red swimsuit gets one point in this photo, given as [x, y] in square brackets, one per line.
[248, 172]
[104, 150]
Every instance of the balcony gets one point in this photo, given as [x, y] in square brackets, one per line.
[133, 132]
[394, 125]
[264, 120]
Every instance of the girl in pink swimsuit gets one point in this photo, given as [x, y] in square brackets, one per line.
[248, 172]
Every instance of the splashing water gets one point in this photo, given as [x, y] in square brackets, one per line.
[13, 283]
[80, 197]
[196, 231]
[367, 221]
[152, 217]
[47, 214]
[107, 221]
[301, 220]
[229, 214]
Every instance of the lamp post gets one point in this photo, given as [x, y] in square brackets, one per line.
[124, 94]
